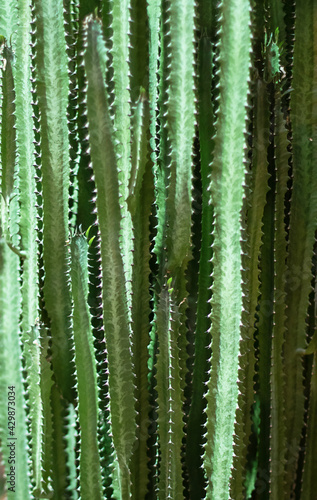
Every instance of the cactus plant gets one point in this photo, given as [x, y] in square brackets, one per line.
[158, 249]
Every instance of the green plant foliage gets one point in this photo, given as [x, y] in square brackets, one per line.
[13, 414]
[115, 309]
[169, 399]
[13, 425]
[141, 195]
[121, 109]
[226, 194]
[90, 474]
[32, 350]
[158, 249]
[302, 226]
[25, 160]
[278, 417]
[202, 338]
[256, 187]
[46, 383]
[51, 66]
[309, 476]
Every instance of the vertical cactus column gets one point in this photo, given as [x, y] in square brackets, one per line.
[227, 192]
[115, 310]
[173, 246]
[90, 471]
[302, 225]
[13, 424]
[52, 93]
[119, 58]
[206, 123]
[141, 196]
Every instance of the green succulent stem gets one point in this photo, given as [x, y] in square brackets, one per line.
[141, 197]
[51, 67]
[256, 187]
[13, 426]
[169, 399]
[226, 193]
[302, 226]
[202, 337]
[278, 416]
[115, 310]
[90, 471]
[26, 170]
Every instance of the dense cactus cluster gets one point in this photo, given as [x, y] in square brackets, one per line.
[157, 249]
